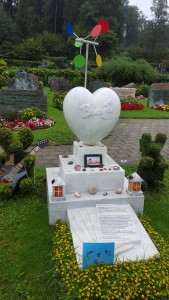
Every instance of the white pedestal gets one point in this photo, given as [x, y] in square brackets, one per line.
[106, 179]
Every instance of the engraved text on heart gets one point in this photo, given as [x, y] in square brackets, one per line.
[104, 111]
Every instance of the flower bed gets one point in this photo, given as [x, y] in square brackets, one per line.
[130, 103]
[161, 107]
[130, 106]
[31, 117]
[147, 279]
[33, 123]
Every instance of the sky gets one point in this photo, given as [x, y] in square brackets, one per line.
[143, 5]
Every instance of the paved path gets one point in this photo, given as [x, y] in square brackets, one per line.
[122, 144]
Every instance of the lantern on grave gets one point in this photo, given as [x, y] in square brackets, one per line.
[58, 188]
[134, 183]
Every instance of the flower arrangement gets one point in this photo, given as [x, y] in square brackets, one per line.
[130, 103]
[146, 279]
[31, 117]
[161, 107]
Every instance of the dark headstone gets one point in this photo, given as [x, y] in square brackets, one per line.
[95, 85]
[59, 84]
[23, 92]
[158, 94]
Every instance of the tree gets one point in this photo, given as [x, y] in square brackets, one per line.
[159, 10]
[92, 11]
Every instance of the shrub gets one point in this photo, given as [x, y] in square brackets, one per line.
[2, 158]
[122, 70]
[30, 112]
[58, 99]
[143, 89]
[26, 137]
[152, 165]
[26, 185]
[4, 81]
[5, 138]
[9, 115]
[6, 191]
[29, 163]
[2, 63]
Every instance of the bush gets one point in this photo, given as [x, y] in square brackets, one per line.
[29, 163]
[143, 89]
[122, 70]
[152, 165]
[5, 138]
[26, 186]
[6, 191]
[58, 99]
[2, 158]
[2, 63]
[4, 81]
[30, 112]
[9, 115]
[26, 137]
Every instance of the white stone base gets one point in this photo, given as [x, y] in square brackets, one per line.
[58, 209]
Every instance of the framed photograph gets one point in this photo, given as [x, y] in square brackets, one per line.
[92, 160]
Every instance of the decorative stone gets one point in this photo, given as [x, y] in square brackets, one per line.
[91, 116]
[77, 167]
[77, 195]
[118, 190]
[92, 189]
[65, 155]
[70, 162]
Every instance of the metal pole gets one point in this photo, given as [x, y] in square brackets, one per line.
[87, 54]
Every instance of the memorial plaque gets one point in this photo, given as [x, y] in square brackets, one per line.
[117, 223]
[159, 97]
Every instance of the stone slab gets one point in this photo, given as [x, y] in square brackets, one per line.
[85, 227]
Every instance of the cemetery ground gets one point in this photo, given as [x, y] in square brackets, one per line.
[61, 134]
[29, 267]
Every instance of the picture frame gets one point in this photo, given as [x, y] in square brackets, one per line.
[93, 160]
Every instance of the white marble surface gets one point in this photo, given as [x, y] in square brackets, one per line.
[91, 116]
[80, 149]
[85, 227]
[58, 209]
[80, 180]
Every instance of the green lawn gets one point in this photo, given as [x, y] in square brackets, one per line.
[26, 241]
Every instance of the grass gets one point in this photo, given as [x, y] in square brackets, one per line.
[26, 241]
[146, 113]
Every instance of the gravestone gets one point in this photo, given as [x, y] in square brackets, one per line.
[158, 94]
[23, 92]
[59, 84]
[95, 85]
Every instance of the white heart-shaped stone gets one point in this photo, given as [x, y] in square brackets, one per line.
[91, 116]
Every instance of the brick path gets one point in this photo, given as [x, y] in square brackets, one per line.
[122, 144]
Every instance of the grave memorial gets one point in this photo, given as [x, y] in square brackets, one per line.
[158, 94]
[89, 189]
[23, 92]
